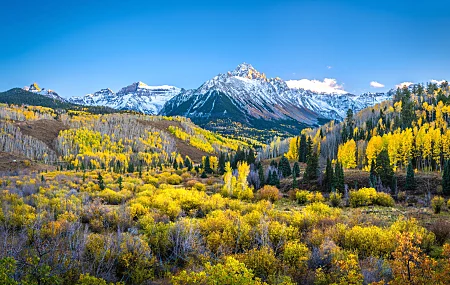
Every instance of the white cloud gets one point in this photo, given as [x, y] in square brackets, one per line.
[375, 84]
[403, 84]
[437, 81]
[329, 67]
[328, 85]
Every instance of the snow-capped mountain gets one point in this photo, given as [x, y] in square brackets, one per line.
[246, 95]
[34, 88]
[138, 97]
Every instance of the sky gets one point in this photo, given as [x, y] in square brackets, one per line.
[80, 47]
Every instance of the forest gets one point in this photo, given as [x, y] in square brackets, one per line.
[125, 198]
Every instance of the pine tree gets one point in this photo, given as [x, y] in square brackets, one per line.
[328, 180]
[384, 169]
[208, 168]
[275, 179]
[251, 157]
[311, 171]
[285, 167]
[119, 181]
[410, 181]
[294, 182]
[269, 180]
[296, 170]
[261, 174]
[42, 178]
[221, 163]
[309, 148]
[446, 178]
[302, 149]
[100, 181]
[175, 165]
[339, 182]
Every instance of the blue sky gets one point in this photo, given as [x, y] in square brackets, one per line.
[83, 46]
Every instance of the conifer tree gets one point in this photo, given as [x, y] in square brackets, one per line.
[208, 168]
[309, 148]
[275, 179]
[294, 182]
[120, 181]
[328, 180]
[221, 163]
[384, 169]
[410, 181]
[302, 149]
[251, 157]
[261, 174]
[311, 171]
[296, 170]
[285, 167]
[338, 178]
[446, 178]
[100, 181]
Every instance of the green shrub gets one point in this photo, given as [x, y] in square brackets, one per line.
[384, 199]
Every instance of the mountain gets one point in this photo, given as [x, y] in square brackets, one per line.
[247, 96]
[138, 97]
[34, 88]
[19, 96]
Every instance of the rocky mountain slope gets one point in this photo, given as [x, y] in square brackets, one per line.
[138, 97]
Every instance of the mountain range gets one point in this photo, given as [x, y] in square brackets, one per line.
[243, 95]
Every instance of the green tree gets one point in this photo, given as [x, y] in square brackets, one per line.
[328, 179]
[261, 174]
[208, 168]
[296, 170]
[285, 167]
[373, 174]
[251, 156]
[119, 181]
[302, 149]
[410, 181]
[312, 168]
[221, 163]
[384, 169]
[339, 182]
[446, 178]
[100, 181]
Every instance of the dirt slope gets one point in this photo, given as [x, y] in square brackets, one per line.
[44, 130]
[183, 147]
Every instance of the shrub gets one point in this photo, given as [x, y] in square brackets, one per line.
[436, 203]
[335, 199]
[304, 197]
[199, 186]
[174, 179]
[270, 193]
[384, 199]
[441, 230]
[370, 196]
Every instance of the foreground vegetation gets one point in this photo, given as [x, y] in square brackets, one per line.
[134, 199]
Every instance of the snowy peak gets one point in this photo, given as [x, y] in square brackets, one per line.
[34, 88]
[246, 70]
[138, 97]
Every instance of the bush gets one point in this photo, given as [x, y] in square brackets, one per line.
[335, 199]
[303, 197]
[436, 203]
[370, 196]
[270, 193]
[199, 186]
[441, 230]
[384, 199]
[174, 179]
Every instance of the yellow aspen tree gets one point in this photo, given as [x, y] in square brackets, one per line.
[347, 154]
